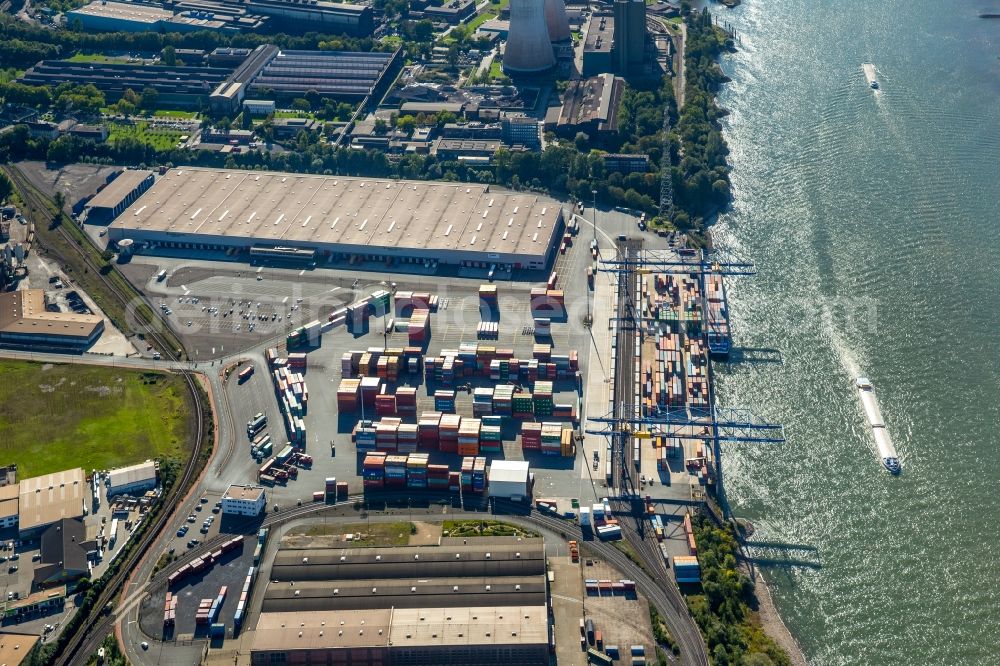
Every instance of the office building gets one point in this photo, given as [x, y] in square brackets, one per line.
[243, 501]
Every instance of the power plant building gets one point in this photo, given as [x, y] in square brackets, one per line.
[556, 21]
[341, 218]
[630, 34]
[528, 49]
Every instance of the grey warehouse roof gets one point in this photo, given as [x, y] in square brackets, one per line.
[406, 593]
[336, 210]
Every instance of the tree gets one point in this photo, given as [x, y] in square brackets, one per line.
[301, 104]
[406, 124]
[150, 98]
[168, 56]
[59, 199]
[380, 126]
[6, 187]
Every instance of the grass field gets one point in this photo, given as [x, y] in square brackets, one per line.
[183, 115]
[96, 57]
[56, 417]
[374, 535]
[159, 139]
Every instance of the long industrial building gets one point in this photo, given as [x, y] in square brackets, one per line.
[484, 636]
[337, 218]
[477, 601]
[275, 74]
[178, 86]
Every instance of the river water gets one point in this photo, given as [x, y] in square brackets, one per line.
[874, 221]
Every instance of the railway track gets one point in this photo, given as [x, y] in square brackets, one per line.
[85, 641]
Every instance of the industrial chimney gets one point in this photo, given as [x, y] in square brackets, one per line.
[528, 50]
[556, 20]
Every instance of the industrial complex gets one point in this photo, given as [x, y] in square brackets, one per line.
[334, 218]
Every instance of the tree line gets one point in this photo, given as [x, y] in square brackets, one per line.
[722, 609]
[701, 175]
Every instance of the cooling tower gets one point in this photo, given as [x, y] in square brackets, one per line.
[555, 19]
[528, 50]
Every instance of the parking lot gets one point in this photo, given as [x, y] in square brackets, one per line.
[230, 572]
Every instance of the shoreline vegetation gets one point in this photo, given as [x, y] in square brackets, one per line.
[700, 175]
[724, 607]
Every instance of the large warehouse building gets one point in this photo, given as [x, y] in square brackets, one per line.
[478, 635]
[339, 218]
[483, 602]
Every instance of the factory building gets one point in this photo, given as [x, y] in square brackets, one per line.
[485, 636]
[317, 15]
[179, 86]
[590, 106]
[598, 44]
[119, 194]
[104, 16]
[8, 505]
[44, 500]
[453, 12]
[341, 75]
[476, 601]
[134, 479]
[630, 34]
[483, 558]
[228, 95]
[64, 552]
[442, 592]
[15, 647]
[243, 501]
[272, 73]
[344, 219]
[26, 322]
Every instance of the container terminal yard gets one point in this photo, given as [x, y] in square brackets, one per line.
[433, 388]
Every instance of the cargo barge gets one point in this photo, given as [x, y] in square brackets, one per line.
[719, 338]
[886, 451]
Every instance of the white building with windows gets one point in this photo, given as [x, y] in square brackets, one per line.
[258, 107]
[243, 501]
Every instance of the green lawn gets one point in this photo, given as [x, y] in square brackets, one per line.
[183, 115]
[476, 528]
[96, 57]
[291, 113]
[55, 417]
[159, 139]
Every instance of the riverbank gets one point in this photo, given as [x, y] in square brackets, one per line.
[773, 625]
